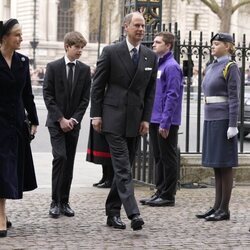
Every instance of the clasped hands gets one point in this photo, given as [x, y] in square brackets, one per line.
[67, 124]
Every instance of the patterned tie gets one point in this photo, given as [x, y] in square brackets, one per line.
[70, 76]
[135, 56]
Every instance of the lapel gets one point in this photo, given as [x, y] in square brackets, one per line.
[62, 72]
[141, 66]
[125, 57]
[17, 66]
[76, 75]
[17, 63]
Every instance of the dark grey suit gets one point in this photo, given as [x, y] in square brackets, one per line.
[123, 95]
[61, 103]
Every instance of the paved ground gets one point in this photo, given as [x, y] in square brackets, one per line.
[165, 228]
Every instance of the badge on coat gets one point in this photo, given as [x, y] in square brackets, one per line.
[158, 74]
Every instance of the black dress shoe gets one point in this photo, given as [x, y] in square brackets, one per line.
[106, 184]
[54, 211]
[8, 223]
[137, 222]
[159, 202]
[66, 210]
[99, 182]
[218, 215]
[207, 213]
[146, 200]
[115, 222]
[3, 233]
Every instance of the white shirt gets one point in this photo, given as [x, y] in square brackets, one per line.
[130, 47]
[66, 59]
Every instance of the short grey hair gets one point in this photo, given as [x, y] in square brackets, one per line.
[128, 18]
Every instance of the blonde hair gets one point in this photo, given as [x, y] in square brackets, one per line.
[231, 49]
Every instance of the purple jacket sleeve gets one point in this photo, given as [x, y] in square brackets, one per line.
[172, 91]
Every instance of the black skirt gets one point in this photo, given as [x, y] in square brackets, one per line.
[217, 150]
[98, 148]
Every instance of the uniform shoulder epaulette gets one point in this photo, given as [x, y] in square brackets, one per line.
[226, 69]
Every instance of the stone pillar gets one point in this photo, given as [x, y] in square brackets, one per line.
[82, 17]
[42, 20]
[13, 8]
[52, 8]
[114, 22]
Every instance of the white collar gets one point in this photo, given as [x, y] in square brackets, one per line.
[66, 59]
[130, 46]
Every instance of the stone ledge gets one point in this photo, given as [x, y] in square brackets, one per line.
[192, 171]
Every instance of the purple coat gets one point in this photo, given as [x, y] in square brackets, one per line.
[168, 94]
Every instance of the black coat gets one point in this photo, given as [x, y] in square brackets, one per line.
[16, 164]
[121, 95]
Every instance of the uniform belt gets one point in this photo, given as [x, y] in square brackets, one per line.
[215, 99]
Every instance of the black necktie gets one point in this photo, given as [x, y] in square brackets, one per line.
[135, 56]
[70, 76]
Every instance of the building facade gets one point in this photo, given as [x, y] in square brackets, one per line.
[46, 22]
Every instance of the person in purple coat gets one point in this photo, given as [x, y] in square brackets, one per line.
[165, 121]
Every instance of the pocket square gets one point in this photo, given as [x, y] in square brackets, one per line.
[148, 69]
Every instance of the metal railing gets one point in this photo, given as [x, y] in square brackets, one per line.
[191, 54]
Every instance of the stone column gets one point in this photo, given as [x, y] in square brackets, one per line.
[13, 8]
[114, 22]
[42, 20]
[52, 8]
[82, 17]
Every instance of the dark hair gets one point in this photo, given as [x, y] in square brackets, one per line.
[5, 27]
[167, 37]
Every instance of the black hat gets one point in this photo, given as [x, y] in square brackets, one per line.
[7, 26]
[223, 37]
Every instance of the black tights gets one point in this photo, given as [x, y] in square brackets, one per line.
[223, 188]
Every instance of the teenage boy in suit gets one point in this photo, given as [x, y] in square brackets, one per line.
[66, 93]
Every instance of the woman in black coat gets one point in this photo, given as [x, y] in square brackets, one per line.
[16, 100]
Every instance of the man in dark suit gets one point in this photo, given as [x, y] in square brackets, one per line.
[121, 104]
[66, 93]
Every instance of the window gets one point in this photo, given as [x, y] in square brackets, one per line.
[65, 18]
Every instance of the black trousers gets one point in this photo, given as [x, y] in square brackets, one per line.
[165, 155]
[122, 151]
[63, 150]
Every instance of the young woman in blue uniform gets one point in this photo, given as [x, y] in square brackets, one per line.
[16, 99]
[220, 152]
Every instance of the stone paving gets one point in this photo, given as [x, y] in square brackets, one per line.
[165, 227]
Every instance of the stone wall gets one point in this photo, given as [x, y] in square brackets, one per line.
[192, 171]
